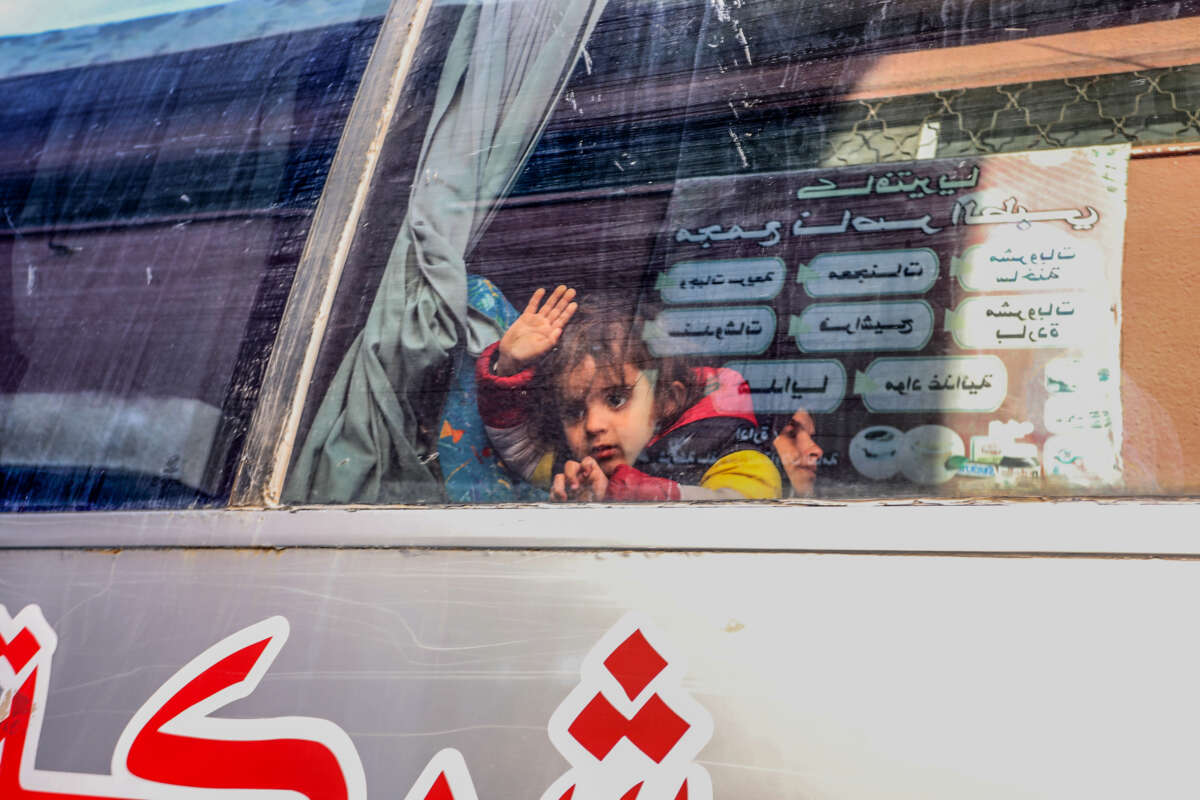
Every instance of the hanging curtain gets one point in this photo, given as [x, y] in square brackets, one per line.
[374, 437]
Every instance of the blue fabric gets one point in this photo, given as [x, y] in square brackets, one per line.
[470, 467]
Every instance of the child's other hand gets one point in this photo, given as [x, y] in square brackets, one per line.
[536, 331]
[580, 481]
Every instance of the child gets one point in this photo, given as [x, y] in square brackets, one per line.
[585, 410]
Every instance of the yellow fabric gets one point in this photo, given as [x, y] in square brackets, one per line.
[747, 472]
[541, 477]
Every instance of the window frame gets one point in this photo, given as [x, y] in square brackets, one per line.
[274, 428]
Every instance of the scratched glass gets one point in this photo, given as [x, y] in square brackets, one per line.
[808, 254]
[159, 176]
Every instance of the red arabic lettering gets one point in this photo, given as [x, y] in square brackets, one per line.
[172, 747]
[303, 766]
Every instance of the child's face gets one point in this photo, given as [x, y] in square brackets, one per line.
[607, 414]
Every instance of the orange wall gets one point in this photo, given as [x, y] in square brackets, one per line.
[1150, 45]
[1160, 341]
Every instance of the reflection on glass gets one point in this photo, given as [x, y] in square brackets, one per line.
[776, 276]
[26, 18]
[158, 176]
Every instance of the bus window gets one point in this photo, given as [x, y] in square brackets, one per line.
[833, 255]
[158, 177]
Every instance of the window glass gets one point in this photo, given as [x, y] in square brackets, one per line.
[159, 171]
[838, 250]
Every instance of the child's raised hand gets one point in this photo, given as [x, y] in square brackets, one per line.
[580, 481]
[536, 331]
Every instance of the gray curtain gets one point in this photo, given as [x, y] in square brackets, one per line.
[374, 437]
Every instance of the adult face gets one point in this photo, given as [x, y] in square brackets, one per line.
[798, 452]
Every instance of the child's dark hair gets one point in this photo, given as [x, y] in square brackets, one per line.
[612, 336]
